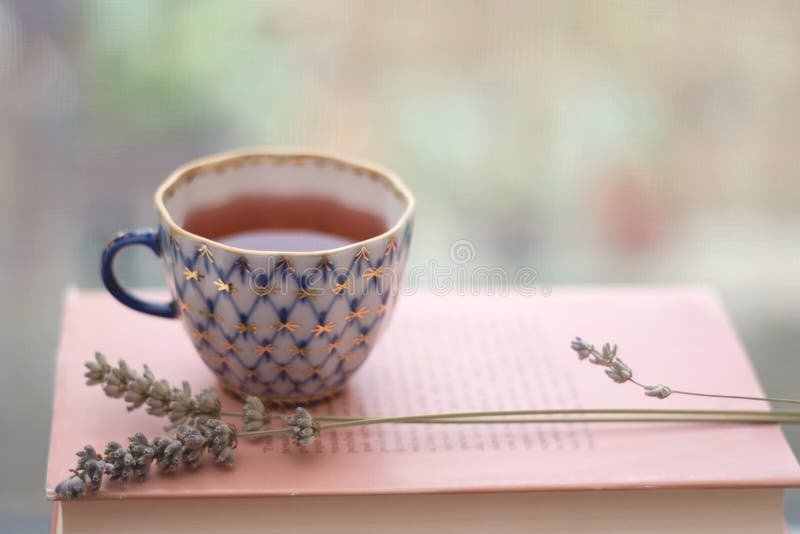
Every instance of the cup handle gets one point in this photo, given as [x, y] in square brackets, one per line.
[149, 238]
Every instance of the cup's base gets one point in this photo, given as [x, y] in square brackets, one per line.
[286, 402]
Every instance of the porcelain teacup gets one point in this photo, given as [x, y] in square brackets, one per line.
[283, 266]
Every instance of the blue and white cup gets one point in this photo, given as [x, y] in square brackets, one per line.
[284, 266]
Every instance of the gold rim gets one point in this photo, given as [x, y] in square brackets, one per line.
[233, 159]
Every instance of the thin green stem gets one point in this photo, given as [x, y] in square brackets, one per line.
[545, 416]
[505, 413]
[740, 397]
[717, 396]
[698, 419]
[678, 418]
[561, 411]
[264, 433]
[533, 420]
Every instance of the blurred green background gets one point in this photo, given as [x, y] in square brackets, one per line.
[618, 141]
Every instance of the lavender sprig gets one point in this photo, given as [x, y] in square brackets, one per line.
[620, 373]
[303, 427]
[221, 440]
[170, 453]
[161, 398]
[616, 369]
[254, 414]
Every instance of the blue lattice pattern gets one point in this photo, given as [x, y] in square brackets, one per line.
[289, 329]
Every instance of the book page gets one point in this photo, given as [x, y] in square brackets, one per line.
[478, 368]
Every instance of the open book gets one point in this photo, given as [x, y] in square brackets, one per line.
[455, 353]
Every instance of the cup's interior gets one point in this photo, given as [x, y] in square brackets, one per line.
[283, 202]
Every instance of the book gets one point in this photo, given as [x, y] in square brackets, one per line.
[453, 353]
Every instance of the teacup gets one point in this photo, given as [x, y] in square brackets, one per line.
[284, 266]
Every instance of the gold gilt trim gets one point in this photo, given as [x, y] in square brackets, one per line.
[284, 263]
[231, 347]
[224, 286]
[264, 349]
[391, 246]
[323, 329]
[205, 251]
[381, 310]
[338, 288]
[291, 326]
[263, 291]
[245, 328]
[306, 294]
[296, 350]
[359, 314]
[242, 263]
[333, 346]
[325, 264]
[211, 316]
[183, 306]
[189, 274]
[371, 273]
[362, 254]
[201, 335]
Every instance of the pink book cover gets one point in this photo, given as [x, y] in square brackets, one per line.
[457, 353]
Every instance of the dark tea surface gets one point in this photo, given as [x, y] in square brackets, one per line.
[283, 223]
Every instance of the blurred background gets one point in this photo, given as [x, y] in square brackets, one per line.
[610, 141]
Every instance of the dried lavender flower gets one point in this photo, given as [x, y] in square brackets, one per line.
[221, 440]
[167, 453]
[87, 476]
[193, 445]
[160, 396]
[583, 349]
[254, 414]
[181, 406]
[117, 380]
[658, 390]
[606, 357]
[207, 406]
[618, 371]
[71, 488]
[92, 470]
[143, 453]
[304, 428]
[121, 461]
[138, 389]
[97, 370]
